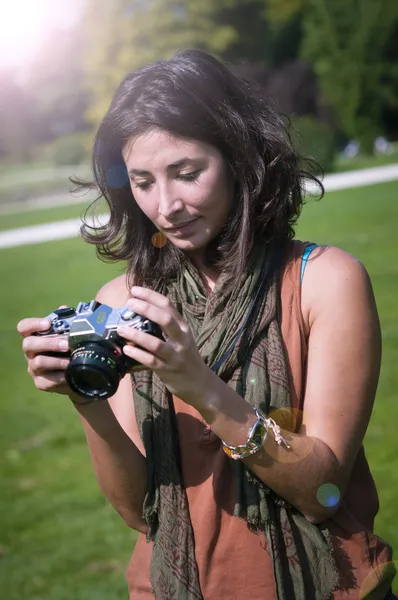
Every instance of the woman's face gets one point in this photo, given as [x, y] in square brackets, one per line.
[174, 181]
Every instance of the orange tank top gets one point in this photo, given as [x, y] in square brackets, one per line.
[233, 562]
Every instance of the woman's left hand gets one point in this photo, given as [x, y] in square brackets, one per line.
[177, 361]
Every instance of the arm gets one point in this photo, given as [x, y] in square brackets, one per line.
[110, 427]
[119, 465]
[344, 352]
[116, 450]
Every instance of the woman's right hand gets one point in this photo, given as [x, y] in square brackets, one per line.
[47, 372]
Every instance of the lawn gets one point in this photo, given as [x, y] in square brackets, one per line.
[19, 182]
[47, 215]
[59, 538]
[365, 161]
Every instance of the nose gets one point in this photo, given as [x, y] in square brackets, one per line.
[169, 202]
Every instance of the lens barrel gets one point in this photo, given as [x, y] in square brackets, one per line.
[95, 370]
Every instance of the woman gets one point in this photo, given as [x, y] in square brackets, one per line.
[237, 449]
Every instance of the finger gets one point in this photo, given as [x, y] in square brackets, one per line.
[149, 342]
[144, 358]
[167, 318]
[155, 298]
[33, 345]
[52, 382]
[40, 364]
[28, 326]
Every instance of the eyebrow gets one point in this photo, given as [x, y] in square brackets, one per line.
[175, 165]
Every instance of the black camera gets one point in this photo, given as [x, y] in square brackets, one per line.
[97, 362]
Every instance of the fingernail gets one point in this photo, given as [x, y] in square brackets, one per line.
[63, 345]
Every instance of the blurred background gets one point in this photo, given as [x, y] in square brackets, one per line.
[330, 65]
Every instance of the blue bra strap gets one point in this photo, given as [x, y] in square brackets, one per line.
[304, 259]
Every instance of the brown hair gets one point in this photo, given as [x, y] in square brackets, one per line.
[195, 96]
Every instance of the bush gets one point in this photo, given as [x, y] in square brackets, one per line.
[73, 149]
[316, 140]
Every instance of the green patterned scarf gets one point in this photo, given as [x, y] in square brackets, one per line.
[239, 337]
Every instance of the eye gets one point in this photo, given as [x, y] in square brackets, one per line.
[142, 185]
[189, 176]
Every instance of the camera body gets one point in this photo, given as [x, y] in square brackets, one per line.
[97, 362]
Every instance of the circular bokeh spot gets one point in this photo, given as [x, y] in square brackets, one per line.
[159, 240]
[328, 495]
[288, 418]
[117, 176]
[252, 380]
[378, 578]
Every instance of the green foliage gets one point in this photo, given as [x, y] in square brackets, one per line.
[316, 140]
[345, 42]
[281, 11]
[125, 35]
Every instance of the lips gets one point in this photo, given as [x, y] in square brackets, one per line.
[180, 225]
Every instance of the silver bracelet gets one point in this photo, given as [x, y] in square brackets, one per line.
[256, 438]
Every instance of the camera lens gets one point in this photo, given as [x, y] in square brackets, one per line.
[95, 370]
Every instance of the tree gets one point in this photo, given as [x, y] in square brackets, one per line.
[282, 11]
[126, 34]
[346, 42]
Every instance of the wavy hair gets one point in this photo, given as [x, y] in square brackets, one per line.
[195, 96]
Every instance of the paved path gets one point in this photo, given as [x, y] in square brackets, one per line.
[362, 177]
[70, 228]
[35, 234]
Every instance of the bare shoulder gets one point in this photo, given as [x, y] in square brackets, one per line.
[334, 280]
[114, 292]
[343, 353]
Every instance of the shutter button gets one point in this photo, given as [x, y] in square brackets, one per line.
[127, 314]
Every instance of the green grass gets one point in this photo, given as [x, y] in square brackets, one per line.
[19, 192]
[59, 539]
[15, 168]
[32, 180]
[46, 215]
[365, 161]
